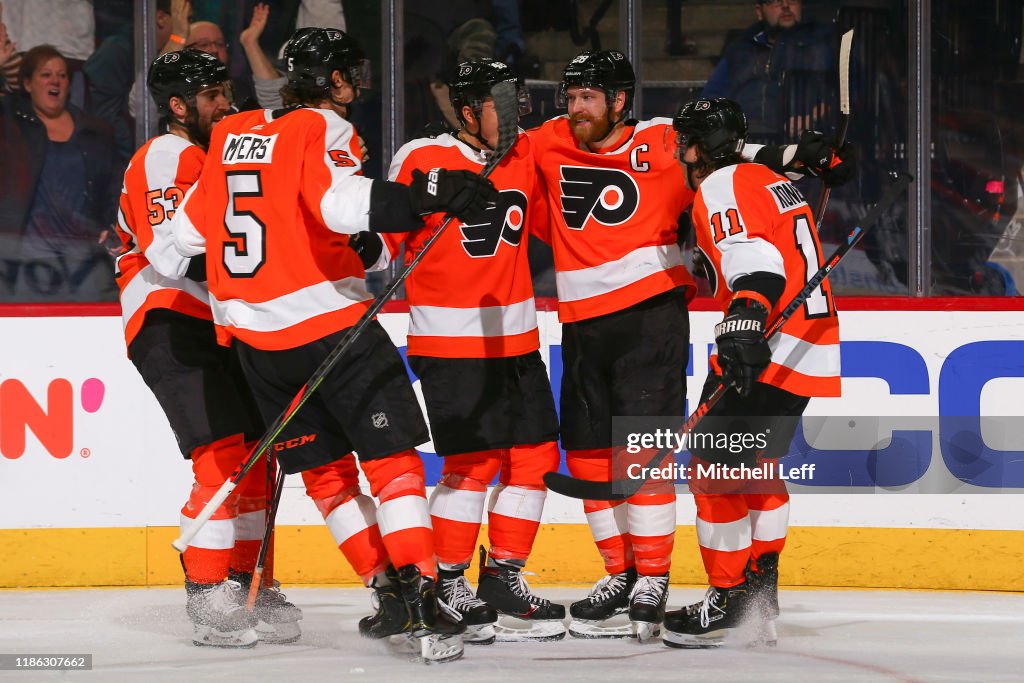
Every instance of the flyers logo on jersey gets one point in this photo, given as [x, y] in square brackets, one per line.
[503, 222]
[608, 196]
[248, 149]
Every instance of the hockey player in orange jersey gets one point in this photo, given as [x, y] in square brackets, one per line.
[170, 338]
[474, 344]
[280, 197]
[615, 193]
[757, 238]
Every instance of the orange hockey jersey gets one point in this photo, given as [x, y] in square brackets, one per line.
[749, 219]
[273, 209]
[613, 217]
[471, 296]
[158, 176]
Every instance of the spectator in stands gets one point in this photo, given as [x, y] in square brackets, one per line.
[777, 70]
[59, 185]
[437, 37]
[8, 53]
[111, 70]
[207, 37]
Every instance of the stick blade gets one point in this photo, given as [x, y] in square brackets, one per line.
[585, 489]
[506, 105]
[845, 46]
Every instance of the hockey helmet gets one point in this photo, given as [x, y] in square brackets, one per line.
[473, 81]
[183, 74]
[718, 126]
[311, 55]
[607, 70]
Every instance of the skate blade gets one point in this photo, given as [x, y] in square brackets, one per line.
[767, 635]
[207, 636]
[645, 631]
[688, 641]
[278, 634]
[582, 628]
[512, 630]
[438, 649]
[481, 634]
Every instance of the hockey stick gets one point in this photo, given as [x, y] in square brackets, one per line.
[257, 572]
[845, 45]
[624, 488]
[507, 108]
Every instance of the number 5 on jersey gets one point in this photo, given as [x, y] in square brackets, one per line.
[244, 256]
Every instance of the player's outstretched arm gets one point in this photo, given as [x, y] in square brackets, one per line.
[815, 155]
[395, 207]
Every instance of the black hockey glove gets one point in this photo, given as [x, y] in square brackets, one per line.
[368, 246]
[820, 158]
[743, 352]
[459, 193]
[197, 268]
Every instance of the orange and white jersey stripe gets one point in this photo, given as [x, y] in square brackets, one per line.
[613, 217]
[158, 176]
[472, 296]
[273, 211]
[750, 219]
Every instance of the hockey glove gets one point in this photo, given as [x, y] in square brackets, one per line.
[459, 193]
[368, 246]
[743, 352]
[197, 268]
[820, 158]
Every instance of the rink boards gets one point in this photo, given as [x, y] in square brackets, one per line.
[91, 481]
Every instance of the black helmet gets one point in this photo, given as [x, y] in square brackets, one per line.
[473, 81]
[717, 125]
[311, 55]
[183, 74]
[608, 70]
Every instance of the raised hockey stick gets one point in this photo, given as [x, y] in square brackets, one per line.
[845, 45]
[507, 108]
[624, 488]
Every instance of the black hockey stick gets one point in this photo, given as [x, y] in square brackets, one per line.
[625, 488]
[845, 45]
[268, 533]
[507, 108]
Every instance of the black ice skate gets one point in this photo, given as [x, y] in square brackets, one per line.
[218, 615]
[764, 592]
[457, 599]
[277, 619]
[392, 617]
[608, 598]
[647, 603]
[440, 638]
[528, 617]
[706, 623]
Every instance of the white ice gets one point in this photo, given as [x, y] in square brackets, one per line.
[824, 635]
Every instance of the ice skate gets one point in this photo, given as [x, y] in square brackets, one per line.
[456, 598]
[647, 603]
[527, 617]
[277, 619]
[438, 636]
[764, 592]
[708, 622]
[218, 615]
[392, 616]
[592, 616]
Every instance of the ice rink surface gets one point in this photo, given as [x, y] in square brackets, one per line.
[143, 635]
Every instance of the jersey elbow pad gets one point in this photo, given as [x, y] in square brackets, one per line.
[391, 208]
[769, 285]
